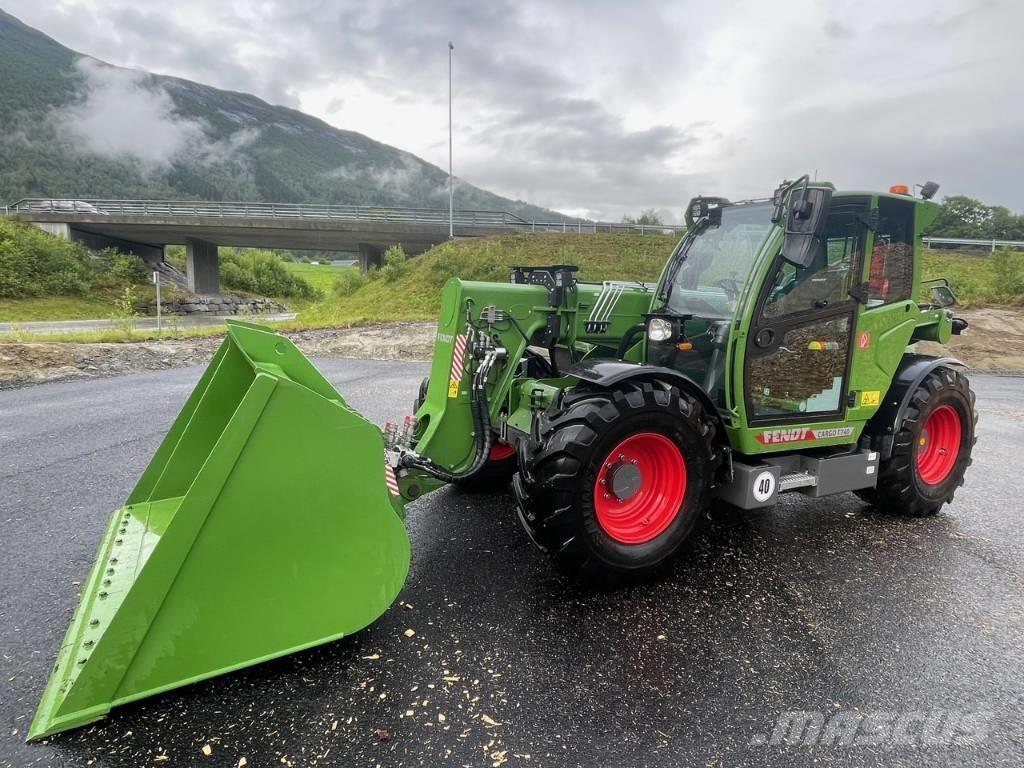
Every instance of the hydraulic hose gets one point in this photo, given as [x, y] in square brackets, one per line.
[628, 339]
[480, 409]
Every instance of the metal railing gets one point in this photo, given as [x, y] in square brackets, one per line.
[193, 208]
[293, 211]
[966, 242]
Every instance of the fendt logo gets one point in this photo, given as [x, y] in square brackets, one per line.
[800, 434]
[785, 436]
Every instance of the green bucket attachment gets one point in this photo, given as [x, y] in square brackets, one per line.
[262, 526]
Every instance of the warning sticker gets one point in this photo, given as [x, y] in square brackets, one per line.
[870, 397]
[801, 434]
[458, 356]
[458, 366]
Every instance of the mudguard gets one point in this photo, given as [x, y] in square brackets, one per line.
[911, 372]
[608, 373]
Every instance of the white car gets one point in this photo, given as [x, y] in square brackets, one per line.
[65, 206]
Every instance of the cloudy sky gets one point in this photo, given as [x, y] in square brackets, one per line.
[603, 107]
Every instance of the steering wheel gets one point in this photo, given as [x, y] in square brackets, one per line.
[731, 286]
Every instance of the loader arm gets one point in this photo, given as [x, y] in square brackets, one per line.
[529, 325]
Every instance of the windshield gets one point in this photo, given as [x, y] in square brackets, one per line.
[709, 273]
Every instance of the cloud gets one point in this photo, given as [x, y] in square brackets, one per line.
[122, 113]
[615, 107]
[410, 178]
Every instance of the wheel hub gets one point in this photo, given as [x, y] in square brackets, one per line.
[625, 479]
[640, 488]
[938, 445]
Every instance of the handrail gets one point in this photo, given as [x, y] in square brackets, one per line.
[391, 215]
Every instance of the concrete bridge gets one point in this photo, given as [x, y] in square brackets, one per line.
[145, 227]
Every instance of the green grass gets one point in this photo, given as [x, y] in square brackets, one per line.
[413, 291]
[979, 278]
[113, 335]
[98, 306]
[54, 307]
[321, 276]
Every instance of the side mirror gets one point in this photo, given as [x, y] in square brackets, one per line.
[805, 224]
[943, 296]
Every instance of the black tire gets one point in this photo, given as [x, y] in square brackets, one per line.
[555, 487]
[493, 477]
[421, 396]
[901, 489]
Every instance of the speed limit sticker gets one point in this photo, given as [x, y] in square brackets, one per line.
[764, 486]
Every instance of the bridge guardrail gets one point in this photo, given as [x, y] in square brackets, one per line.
[394, 215]
[962, 242]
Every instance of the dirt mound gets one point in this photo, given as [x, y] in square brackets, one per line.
[994, 341]
[35, 362]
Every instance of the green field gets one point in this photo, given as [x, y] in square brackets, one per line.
[321, 276]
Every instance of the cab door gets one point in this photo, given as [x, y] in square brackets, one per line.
[798, 350]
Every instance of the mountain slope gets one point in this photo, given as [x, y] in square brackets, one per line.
[72, 126]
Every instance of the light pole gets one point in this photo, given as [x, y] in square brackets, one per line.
[451, 179]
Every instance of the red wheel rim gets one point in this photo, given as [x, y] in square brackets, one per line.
[639, 488]
[500, 452]
[938, 445]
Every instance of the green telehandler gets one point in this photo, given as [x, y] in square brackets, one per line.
[772, 356]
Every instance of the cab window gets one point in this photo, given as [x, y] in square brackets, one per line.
[891, 272]
[828, 279]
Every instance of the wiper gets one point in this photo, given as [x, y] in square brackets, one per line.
[679, 256]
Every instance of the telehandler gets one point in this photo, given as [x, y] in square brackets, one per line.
[771, 357]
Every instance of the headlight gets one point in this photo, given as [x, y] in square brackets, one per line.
[659, 329]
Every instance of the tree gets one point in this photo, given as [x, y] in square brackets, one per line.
[648, 216]
[963, 216]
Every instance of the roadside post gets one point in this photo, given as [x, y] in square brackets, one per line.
[156, 282]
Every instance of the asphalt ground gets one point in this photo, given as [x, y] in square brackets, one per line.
[911, 630]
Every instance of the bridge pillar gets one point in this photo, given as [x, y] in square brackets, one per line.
[370, 256]
[201, 266]
[57, 229]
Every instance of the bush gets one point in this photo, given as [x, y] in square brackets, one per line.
[1007, 282]
[261, 272]
[125, 313]
[175, 256]
[34, 263]
[395, 263]
[125, 268]
[349, 281]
